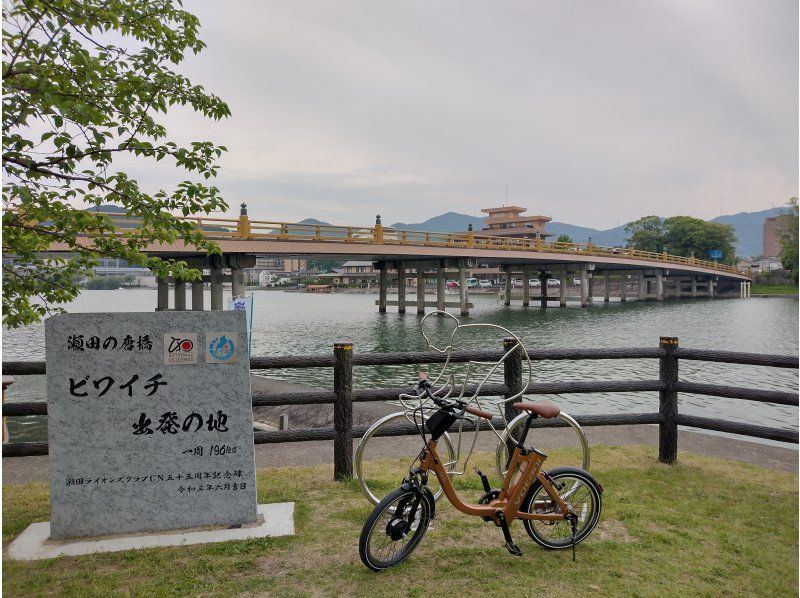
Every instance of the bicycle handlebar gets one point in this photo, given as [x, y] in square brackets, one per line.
[425, 385]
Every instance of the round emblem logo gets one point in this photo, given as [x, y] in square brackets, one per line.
[221, 348]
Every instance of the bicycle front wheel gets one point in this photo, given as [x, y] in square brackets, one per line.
[394, 529]
[379, 443]
[542, 441]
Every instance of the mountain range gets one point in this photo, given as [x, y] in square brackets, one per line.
[749, 227]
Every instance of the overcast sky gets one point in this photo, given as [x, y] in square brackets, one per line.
[593, 113]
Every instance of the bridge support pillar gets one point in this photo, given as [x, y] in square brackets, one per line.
[562, 289]
[162, 294]
[180, 295]
[462, 289]
[642, 286]
[710, 287]
[401, 288]
[585, 282]
[440, 287]
[421, 291]
[606, 287]
[590, 287]
[526, 286]
[623, 286]
[237, 282]
[678, 287]
[507, 300]
[694, 286]
[197, 295]
[543, 275]
[659, 285]
[382, 283]
[216, 288]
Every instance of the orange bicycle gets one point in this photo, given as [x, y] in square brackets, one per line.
[559, 508]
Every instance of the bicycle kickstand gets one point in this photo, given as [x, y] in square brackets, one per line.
[510, 546]
[573, 521]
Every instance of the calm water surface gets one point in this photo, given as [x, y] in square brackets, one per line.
[301, 323]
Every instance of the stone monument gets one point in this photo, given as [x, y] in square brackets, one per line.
[150, 422]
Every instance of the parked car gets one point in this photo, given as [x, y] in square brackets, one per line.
[517, 284]
[452, 284]
[576, 281]
[553, 282]
[485, 284]
[535, 282]
[472, 283]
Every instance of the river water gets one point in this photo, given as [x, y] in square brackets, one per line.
[291, 323]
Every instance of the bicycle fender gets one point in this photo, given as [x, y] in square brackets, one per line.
[428, 495]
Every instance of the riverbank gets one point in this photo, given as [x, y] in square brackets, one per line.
[774, 290]
[26, 470]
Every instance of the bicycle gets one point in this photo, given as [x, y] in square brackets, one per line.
[559, 508]
[449, 452]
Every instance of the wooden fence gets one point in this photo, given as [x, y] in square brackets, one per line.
[344, 359]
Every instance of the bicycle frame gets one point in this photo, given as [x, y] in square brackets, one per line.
[524, 468]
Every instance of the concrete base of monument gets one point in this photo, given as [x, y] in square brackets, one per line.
[276, 519]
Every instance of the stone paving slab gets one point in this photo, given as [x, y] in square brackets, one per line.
[33, 544]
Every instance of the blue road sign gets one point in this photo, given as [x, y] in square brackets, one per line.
[715, 254]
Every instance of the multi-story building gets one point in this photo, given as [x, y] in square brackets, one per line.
[507, 222]
[773, 227]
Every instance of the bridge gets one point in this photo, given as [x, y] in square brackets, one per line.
[435, 256]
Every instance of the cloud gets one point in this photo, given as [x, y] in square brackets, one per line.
[593, 113]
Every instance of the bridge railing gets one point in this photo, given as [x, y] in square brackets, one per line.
[244, 228]
[342, 395]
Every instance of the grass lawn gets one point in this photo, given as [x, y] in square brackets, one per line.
[703, 527]
[774, 289]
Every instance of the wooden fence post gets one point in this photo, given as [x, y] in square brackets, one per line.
[668, 401]
[512, 377]
[343, 411]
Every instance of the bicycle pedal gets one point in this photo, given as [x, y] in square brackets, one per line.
[513, 549]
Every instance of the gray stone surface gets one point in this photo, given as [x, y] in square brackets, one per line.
[109, 475]
[277, 519]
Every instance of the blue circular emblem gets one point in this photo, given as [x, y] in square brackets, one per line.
[220, 348]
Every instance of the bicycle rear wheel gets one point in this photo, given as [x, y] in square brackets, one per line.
[394, 529]
[538, 439]
[583, 496]
[372, 449]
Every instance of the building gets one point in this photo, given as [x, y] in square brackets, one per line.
[508, 222]
[273, 265]
[772, 235]
[352, 272]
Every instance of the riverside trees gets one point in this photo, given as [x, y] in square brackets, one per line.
[84, 83]
[683, 235]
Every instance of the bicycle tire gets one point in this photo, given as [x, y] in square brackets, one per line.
[444, 448]
[589, 505]
[501, 457]
[384, 520]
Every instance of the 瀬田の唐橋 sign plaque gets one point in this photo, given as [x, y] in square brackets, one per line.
[150, 422]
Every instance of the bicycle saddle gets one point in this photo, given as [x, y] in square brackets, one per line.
[544, 408]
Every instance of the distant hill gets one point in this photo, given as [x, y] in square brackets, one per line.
[749, 227]
[451, 222]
